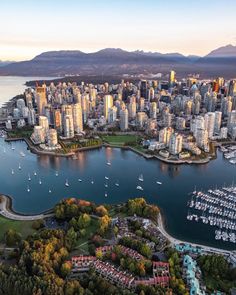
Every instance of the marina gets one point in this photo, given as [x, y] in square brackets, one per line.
[229, 153]
[217, 208]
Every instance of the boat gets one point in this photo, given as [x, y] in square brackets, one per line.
[13, 148]
[12, 171]
[19, 166]
[40, 182]
[92, 182]
[49, 191]
[106, 177]
[35, 173]
[22, 154]
[79, 180]
[67, 183]
[74, 157]
[56, 173]
[117, 184]
[140, 177]
[106, 185]
[139, 188]
[28, 189]
[109, 163]
[4, 150]
[158, 182]
[29, 178]
[105, 194]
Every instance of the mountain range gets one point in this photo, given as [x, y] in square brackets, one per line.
[115, 61]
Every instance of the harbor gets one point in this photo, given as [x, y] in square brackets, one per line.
[217, 208]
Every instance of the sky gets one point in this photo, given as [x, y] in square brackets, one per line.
[30, 27]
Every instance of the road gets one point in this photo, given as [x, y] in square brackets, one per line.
[174, 241]
[4, 211]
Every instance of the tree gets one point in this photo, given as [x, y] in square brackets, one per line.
[84, 221]
[101, 211]
[70, 238]
[65, 269]
[12, 238]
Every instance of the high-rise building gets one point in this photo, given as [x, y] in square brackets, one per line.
[77, 117]
[143, 89]
[218, 119]
[180, 123]
[57, 120]
[108, 103]
[41, 99]
[153, 110]
[112, 114]
[210, 123]
[38, 135]
[31, 117]
[132, 109]
[68, 126]
[52, 138]
[171, 78]
[165, 134]
[141, 119]
[176, 144]
[43, 122]
[124, 120]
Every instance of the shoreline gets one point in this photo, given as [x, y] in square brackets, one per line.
[10, 213]
[34, 149]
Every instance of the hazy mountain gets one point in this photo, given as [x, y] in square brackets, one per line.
[4, 63]
[115, 61]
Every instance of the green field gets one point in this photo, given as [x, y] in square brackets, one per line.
[120, 139]
[23, 227]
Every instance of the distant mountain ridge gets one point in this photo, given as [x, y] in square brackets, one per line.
[116, 61]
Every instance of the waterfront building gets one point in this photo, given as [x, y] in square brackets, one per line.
[141, 119]
[202, 139]
[16, 113]
[43, 122]
[108, 103]
[8, 124]
[224, 133]
[20, 104]
[68, 126]
[38, 135]
[165, 134]
[52, 138]
[77, 117]
[124, 120]
[176, 144]
[210, 123]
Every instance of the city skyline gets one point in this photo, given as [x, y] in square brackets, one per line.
[91, 26]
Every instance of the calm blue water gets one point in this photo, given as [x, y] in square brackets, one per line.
[126, 166]
[171, 197]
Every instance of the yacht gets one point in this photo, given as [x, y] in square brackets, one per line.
[105, 194]
[140, 177]
[28, 189]
[56, 173]
[79, 180]
[139, 188]
[158, 182]
[40, 181]
[66, 183]
[109, 163]
[106, 177]
[19, 166]
[12, 171]
[49, 191]
[92, 182]
[106, 185]
[35, 173]
[29, 178]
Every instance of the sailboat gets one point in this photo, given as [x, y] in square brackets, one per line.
[29, 178]
[28, 189]
[79, 180]
[109, 163]
[35, 173]
[92, 182]
[140, 177]
[56, 174]
[117, 183]
[139, 188]
[40, 182]
[106, 184]
[12, 171]
[49, 191]
[19, 166]
[66, 183]
[105, 194]
[158, 182]
[106, 177]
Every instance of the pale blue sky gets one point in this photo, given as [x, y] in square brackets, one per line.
[29, 27]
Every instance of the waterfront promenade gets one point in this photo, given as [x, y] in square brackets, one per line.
[7, 212]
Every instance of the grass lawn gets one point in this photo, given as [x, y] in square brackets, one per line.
[119, 139]
[90, 230]
[23, 227]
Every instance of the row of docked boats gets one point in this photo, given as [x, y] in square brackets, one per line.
[217, 208]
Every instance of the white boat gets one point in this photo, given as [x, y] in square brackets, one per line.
[40, 182]
[28, 189]
[13, 148]
[79, 180]
[140, 177]
[92, 182]
[139, 188]
[35, 173]
[19, 166]
[117, 184]
[66, 183]
[12, 171]
[106, 185]
[109, 163]
[49, 191]
[158, 182]
[4, 150]
[22, 154]
[56, 173]
[106, 177]
[105, 194]
[29, 178]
